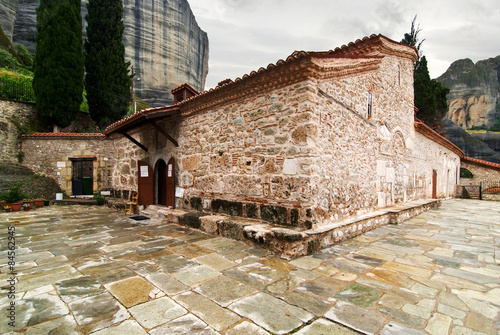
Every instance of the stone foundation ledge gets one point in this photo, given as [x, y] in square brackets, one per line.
[287, 242]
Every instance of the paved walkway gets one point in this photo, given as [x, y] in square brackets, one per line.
[87, 269]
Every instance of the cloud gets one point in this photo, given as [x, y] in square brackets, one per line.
[247, 34]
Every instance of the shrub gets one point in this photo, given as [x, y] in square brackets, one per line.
[25, 55]
[465, 173]
[16, 88]
[8, 61]
[15, 194]
[99, 198]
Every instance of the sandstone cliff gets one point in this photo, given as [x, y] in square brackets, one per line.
[474, 98]
[8, 10]
[162, 41]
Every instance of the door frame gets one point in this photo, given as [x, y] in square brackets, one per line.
[170, 186]
[78, 183]
[161, 182]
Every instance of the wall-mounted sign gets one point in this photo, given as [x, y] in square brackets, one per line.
[179, 192]
[144, 172]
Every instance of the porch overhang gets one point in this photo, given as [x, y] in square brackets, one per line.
[144, 117]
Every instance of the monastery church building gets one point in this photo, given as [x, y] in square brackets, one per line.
[306, 142]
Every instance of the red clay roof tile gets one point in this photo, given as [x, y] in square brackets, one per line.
[59, 135]
[481, 162]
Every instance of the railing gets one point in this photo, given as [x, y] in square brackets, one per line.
[20, 89]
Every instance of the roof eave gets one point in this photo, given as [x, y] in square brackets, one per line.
[141, 118]
[428, 132]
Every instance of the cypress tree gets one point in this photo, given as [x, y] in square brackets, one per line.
[107, 80]
[430, 95]
[59, 63]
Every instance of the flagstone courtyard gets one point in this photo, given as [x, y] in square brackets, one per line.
[89, 269]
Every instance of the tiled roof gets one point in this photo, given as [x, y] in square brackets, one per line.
[180, 87]
[361, 49]
[61, 135]
[476, 161]
[431, 134]
[138, 116]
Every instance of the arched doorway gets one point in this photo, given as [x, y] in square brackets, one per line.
[165, 183]
[161, 182]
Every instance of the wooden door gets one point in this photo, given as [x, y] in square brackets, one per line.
[434, 184]
[145, 183]
[171, 183]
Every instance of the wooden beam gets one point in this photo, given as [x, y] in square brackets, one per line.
[133, 140]
[164, 133]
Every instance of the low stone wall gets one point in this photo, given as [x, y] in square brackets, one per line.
[52, 155]
[290, 243]
[13, 114]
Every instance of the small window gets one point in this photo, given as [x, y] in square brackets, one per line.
[399, 75]
[369, 105]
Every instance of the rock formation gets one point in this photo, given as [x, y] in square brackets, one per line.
[8, 10]
[166, 47]
[491, 139]
[162, 41]
[471, 146]
[474, 98]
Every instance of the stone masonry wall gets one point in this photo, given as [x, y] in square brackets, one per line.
[249, 158]
[51, 156]
[126, 154]
[429, 156]
[257, 152]
[12, 113]
[303, 155]
[363, 158]
[480, 174]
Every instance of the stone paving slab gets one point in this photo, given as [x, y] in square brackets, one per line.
[208, 311]
[98, 312]
[131, 291]
[92, 270]
[157, 312]
[271, 313]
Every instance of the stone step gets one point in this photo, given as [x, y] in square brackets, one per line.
[75, 202]
[152, 211]
[289, 242]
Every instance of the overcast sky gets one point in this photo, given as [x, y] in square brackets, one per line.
[245, 35]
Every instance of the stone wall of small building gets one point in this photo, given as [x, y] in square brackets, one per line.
[429, 156]
[256, 152]
[363, 161]
[250, 157]
[480, 173]
[51, 155]
[303, 155]
[12, 115]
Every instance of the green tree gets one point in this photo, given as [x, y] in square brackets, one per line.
[59, 63]
[107, 81]
[430, 95]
